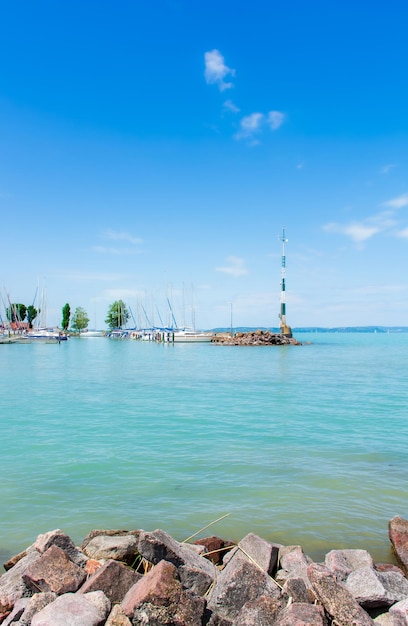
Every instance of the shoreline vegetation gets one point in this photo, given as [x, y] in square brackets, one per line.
[135, 577]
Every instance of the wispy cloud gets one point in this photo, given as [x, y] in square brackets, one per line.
[115, 251]
[388, 168]
[403, 233]
[230, 106]
[358, 232]
[397, 203]
[216, 70]
[235, 268]
[275, 119]
[121, 236]
[361, 231]
[252, 125]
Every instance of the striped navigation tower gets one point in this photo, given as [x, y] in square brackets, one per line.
[284, 328]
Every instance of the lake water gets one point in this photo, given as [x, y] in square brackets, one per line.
[300, 444]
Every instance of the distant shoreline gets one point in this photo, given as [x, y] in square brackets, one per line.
[319, 329]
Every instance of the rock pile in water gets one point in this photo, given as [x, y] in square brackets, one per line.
[255, 338]
[128, 578]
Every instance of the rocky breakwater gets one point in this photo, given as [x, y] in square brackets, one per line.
[255, 338]
[128, 578]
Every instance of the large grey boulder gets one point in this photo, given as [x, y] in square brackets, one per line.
[375, 589]
[239, 582]
[343, 562]
[256, 550]
[196, 572]
[73, 609]
[12, 585]
[336, 598]
[293, 563]
[259, 612]
[119, 532]
[115, 547]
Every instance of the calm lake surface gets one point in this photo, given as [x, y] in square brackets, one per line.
[300, 444]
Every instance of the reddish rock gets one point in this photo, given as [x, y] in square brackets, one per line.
[113, 578]
[336, 599]
[158, 586]
[13, 560]
[54, 571]
[216, 546]
[91, 566]
[196, 573]
[398, 535]
[63, 541]
[159, 598]
[301, 614]
[388, 567]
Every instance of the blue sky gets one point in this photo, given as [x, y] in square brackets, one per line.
[156, 149]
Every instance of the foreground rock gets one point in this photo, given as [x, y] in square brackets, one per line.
[130, 578]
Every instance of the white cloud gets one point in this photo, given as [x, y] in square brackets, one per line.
[216, 70]
[359, 232]
[235, 268]
[397, 203]
[403, 233]
[364, 229]
[230, 106]
[121, 236]
[275, 119]
[252, 125]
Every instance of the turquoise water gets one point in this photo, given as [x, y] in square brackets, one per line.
[304, 445]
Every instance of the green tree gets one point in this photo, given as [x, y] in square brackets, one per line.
[31, 315]
[16, 312]
[118, 315]
[80, 319]
[66, 314]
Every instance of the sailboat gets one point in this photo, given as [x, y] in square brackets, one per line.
[187, 334]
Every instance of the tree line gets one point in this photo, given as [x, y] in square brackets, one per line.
[117, 316]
